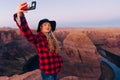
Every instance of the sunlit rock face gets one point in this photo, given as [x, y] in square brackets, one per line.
[82, 53]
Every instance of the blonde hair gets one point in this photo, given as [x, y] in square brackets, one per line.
[52, 42]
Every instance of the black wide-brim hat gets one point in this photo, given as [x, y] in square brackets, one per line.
[53, 24]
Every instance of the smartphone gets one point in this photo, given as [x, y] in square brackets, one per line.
[31, 5]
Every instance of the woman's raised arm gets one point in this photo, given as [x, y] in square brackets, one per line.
[21, 22]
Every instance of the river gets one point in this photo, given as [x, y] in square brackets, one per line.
[115, 68]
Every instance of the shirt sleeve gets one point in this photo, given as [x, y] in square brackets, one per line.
[24, 29]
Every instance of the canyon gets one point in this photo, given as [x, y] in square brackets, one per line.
[81, 59]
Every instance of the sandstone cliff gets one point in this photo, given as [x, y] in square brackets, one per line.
[82, 53]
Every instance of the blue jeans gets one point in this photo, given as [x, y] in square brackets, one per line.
[49, 77]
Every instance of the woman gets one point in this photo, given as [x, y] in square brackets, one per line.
[50, 62]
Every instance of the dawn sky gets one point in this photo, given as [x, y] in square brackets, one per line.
[67, 13]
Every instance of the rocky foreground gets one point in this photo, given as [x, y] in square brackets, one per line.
[81, 58]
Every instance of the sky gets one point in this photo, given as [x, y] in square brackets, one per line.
[67, 13]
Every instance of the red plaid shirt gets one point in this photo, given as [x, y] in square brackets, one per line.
[50, 62]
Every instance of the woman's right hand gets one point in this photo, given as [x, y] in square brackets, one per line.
[22, 7]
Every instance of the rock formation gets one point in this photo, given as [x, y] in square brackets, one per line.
[83, 55]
